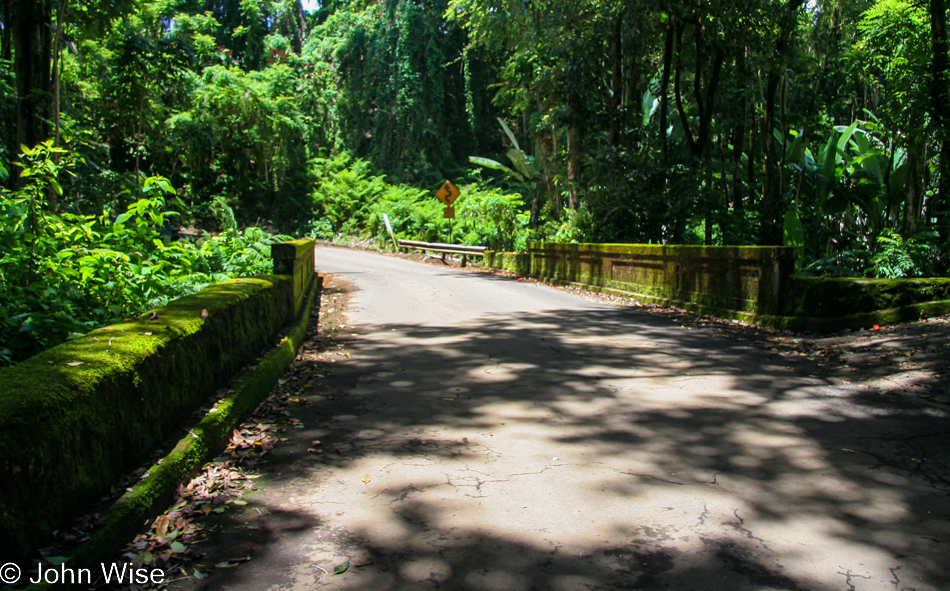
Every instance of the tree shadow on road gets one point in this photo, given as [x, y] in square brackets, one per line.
[772, 466]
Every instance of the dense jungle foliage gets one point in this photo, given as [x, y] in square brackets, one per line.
[823, 124]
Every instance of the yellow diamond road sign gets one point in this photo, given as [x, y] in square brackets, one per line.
[447, 193]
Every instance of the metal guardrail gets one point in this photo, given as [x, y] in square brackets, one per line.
[460, 249]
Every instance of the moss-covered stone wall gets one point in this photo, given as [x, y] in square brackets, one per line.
[753, 284]
[77, 417]
[729, 278]
[824, 304]
[513, 262]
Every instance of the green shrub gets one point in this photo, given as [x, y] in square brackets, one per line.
[899, 257]
[63, 274]
[349, 200]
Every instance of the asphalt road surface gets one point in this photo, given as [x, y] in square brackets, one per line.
[495, 434]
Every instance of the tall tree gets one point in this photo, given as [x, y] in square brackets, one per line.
[786, 27]
[940, 107]
[31, 26]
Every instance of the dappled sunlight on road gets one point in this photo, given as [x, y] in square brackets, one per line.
[530, 441]
[548, 445]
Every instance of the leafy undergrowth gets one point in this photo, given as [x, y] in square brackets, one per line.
[62, 275]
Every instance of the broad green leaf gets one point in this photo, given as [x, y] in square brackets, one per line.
[793, 151]
[794, 235]
[342, 568]
[489, 163]
[846, 136]
[828, 162]
[520, 160]
[897, 180]
[511, 136]
[649, 106]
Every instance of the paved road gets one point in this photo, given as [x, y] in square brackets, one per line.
[493, 434]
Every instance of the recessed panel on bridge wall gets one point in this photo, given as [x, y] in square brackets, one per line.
[732, 278]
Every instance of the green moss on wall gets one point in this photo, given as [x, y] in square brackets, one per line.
[842, 296]
[752, 284]
[295, 258]
[75, 418]
[728, 278]
[513, 262]
[151, 496]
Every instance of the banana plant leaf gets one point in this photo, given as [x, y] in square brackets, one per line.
[495, 165]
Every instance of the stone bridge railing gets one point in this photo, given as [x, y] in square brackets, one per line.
[77, 417]
[749, 283]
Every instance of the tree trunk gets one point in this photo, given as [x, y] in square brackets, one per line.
[914, 189]
[546, 146]
[31, 63]
[771, 232]
[616, 82]
[737, 142]
[665, 98]
[51, 195]
[574, 140]
[57, 42]
[705, 101]
[753, 157]
[633, 75]
[8, 129]
[940, 110]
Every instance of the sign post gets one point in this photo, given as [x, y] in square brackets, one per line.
[447, 194]
[389, 228]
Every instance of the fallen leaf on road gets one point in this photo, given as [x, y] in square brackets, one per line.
[340, 569]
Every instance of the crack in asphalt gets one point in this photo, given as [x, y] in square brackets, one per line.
[740, 527]
[926, 477]
[702, 516]
[897, 580]
[847, 578]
